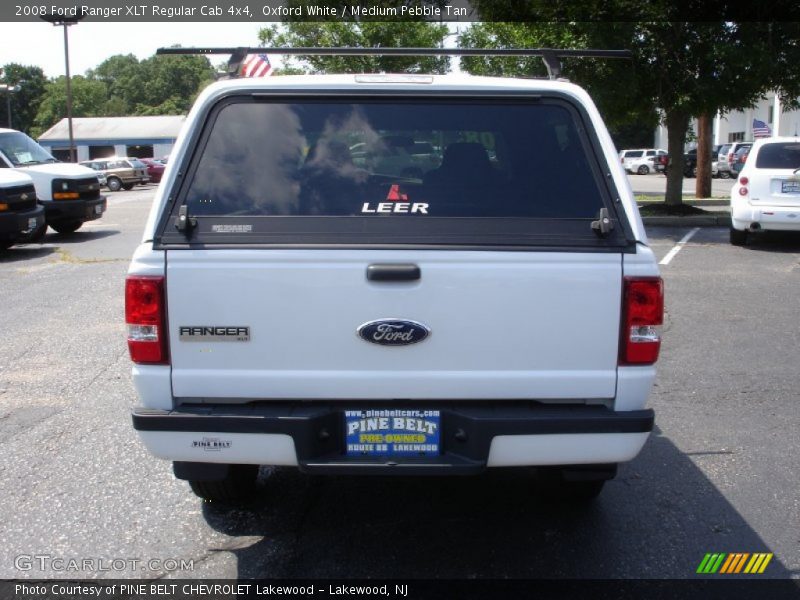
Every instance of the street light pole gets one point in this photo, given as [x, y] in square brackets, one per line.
[66, 22]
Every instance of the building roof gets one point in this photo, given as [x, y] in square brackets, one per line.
[117, 128]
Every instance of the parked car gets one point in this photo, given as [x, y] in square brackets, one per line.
[642, 161]
[20, 214]
[121, 172]
[766, 195]
[690, 162]
[739, 160]
[725, 157]
[69, 194]
[316, 314]
[155, 169]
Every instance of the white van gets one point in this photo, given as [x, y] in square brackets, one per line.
[69, 193]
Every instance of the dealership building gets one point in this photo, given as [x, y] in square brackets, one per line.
[100, 137]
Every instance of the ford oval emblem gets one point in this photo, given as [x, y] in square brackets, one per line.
[393, 332]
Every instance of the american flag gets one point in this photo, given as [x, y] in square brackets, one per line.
[256, 65]
[761, 129]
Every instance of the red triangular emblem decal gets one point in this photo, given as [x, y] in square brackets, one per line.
[394, 194]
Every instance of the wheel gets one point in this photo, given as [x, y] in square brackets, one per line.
[724, 174]
[128, 186]
[66, 227]
[238, 485]
[555, 487]
[738, 238]
[643, 170]
[37, 235]
[114, 184]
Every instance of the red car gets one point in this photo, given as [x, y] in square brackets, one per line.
[154, 169]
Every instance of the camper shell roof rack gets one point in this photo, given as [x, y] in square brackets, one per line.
[551, 56]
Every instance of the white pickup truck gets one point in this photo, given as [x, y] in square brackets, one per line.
[289, 307]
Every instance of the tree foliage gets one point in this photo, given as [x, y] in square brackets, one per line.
[88, 98]
[25, 102]
[122, 85]
[361, 34]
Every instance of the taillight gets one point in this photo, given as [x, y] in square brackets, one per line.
[743, 191]
[144, 316]
[642, 316]
[744, 180]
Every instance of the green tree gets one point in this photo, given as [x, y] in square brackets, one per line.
[155, 86]
[360, 34]
[170, 83]
[686, 69]
[88, 99]
[122, 76]
[25, 102]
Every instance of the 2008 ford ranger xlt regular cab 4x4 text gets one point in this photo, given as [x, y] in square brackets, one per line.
[289, 306]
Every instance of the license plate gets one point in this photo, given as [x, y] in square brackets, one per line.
[790, 187]
[98, 210]
[392, 432]
[32, 223]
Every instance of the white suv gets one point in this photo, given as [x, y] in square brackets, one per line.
[496, 307]
[766, 196]
[642, 161]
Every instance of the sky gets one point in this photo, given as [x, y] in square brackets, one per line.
[42, 45]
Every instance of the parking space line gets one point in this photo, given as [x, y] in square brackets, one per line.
[671, 254]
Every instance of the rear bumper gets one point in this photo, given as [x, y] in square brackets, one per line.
[14, 224]
[74, 210]
[777, 218]
[474, 436]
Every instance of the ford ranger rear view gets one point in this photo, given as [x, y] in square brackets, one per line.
[294, 302]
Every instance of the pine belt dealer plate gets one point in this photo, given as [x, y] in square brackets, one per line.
[392, 432]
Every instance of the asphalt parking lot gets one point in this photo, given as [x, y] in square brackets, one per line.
[719, 474]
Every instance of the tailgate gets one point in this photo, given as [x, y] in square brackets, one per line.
[541, 325]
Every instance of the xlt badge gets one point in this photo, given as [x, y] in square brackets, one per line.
[393, 332]
[217, 333]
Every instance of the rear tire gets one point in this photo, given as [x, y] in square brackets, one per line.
[239, 484]
[643, 170]
[724, 174]
[128, 186]
[114, 184]
[66, 227]
[738, 238]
